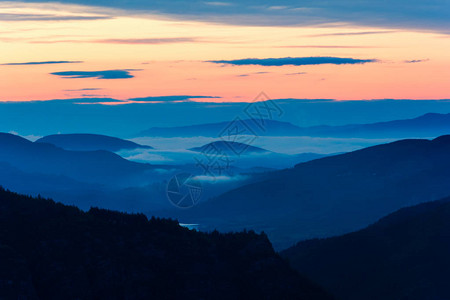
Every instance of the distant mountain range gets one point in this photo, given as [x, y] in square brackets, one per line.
[90, 142]
[428, 125]
[245, 156]
[332, 195]
[403, 256]
[51, 251]
[230, 148]
[270, 128]
[99, 178]
[87, 166]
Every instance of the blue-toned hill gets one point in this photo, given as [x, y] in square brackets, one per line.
[90, 142]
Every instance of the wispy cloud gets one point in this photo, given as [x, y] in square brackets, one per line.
[327, 46]
[84, 89]
[293, 61]
[218, 3]
[58, 41]
[12, 17]
[205, 178]
[352, 33]
[92, 95]
[415, 61]
[254, 73]
[297, 73]
[134, 41]
[175, 98]
[277, 7]
[80, 100]
[91, 100]
[151, 41]
[106, 74]
[410, 14]
[51, 62]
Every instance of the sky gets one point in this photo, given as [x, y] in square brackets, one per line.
[224, 51]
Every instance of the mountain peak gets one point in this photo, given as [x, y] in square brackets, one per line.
[13, 138]
[433, 115]
[230, 148]
[444, 139]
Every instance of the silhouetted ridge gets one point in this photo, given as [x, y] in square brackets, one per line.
[445, 139]
[52, 251]
[402, 256]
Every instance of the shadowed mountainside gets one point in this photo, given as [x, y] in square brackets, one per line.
[90, 142]
[402, 256]
[52, 251]
[87, 166]
[332, 195]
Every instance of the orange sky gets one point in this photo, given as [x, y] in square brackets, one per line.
[176, 65]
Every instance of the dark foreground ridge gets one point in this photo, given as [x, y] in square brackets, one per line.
[52, 251]
[403, 256]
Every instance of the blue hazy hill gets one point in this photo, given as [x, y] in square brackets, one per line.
[90, 142]
[230, 148]
[246, 156]
[428, 125]
[88, 166]
[270, 128]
